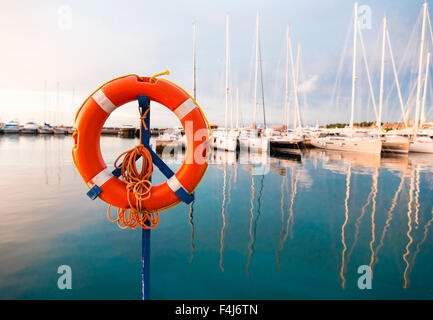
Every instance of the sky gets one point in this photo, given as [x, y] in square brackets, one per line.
[78, 45]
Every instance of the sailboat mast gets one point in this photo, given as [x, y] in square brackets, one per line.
[262, 85]
[382, 75]
[424, 96]
[286, 92]
[45, 103]
[256, 71]
[397, 83]
[355, 32]
[57, 103]
[194, 62]
[237, 107]
[421, 56]
[227, 68]
[292, 67]
[296, 117]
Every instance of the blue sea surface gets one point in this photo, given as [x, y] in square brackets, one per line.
[299, 230]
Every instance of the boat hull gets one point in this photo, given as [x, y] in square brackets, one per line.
[395, 145]
[353, 145]
[11, 130]
[286, 146]
[29, 131]
[421, 146]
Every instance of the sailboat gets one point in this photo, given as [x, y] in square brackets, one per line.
[46, 128]
[252, 139]
[288, 142]
[390, 142]
[350, 142]
[59, 130]
[224, 139]
[421, 142]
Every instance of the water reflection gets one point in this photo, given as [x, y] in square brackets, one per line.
[315, 216]
[191, 223]
[253, 227]
[343, 228]
[223, 215]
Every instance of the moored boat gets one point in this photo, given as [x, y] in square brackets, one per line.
[30, 128]
[12, 127]
[355, 144]
[127, 131]
[60, 130]
[46, 129]
[395, 144]
[422, 144]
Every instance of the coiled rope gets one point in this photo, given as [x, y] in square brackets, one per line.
[138, 183]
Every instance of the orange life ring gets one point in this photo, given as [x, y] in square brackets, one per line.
[96, 109]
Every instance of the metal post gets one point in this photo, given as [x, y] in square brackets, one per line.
[143, 102]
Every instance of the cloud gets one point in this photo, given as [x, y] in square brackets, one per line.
[309, 85]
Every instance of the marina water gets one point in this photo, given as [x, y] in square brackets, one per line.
[299, 228]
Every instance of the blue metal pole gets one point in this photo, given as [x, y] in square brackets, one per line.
[144, 104]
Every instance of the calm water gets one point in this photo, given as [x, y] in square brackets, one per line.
[301, 230]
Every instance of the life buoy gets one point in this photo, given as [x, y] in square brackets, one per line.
[95, 111]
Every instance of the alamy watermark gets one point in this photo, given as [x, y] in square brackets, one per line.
[365, 280]
[65, 280]
[64, 17]
[365, 17]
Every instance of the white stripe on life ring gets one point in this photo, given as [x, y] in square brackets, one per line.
[102, 100]
[174, 184]
[186, 107]
[100, 178]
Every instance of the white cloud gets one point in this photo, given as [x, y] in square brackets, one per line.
[309, 85]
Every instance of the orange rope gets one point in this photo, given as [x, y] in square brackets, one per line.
[138, 182]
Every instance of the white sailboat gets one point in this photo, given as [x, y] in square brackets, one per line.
[422, 143]
[253, 139]
[390, 142]
[287, 142]
[225, 139]
[366, 143]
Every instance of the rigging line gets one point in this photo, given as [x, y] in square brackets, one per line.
[373, 97]
[405, 57]
[396, 81]
[337, 83]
